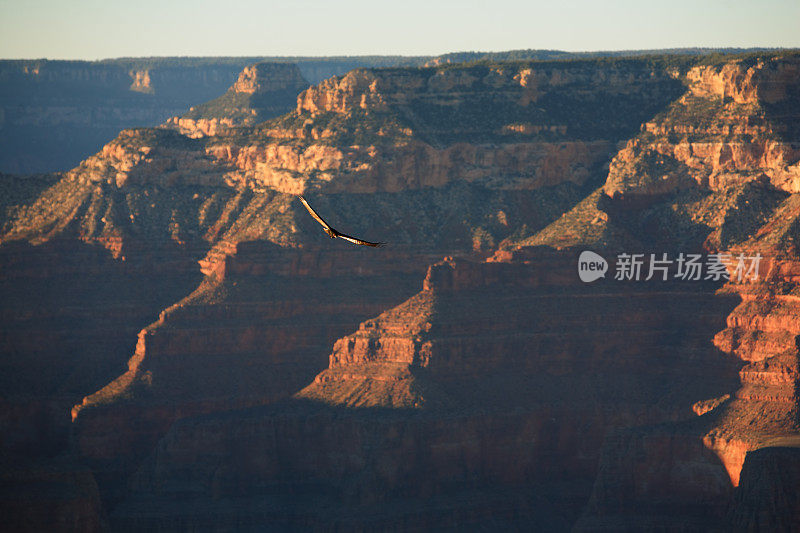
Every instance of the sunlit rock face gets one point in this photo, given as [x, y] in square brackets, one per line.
[736, 123]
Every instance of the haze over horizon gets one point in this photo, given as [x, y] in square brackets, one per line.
[92, 29]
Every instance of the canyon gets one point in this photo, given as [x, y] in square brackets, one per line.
[183, 348]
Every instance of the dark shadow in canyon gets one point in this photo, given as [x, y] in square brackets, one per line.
[514, 443]
[71, 313]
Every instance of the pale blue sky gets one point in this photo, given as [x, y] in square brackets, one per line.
[92, 29]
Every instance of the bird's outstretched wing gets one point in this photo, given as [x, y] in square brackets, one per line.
[315, 215]
[359, 241]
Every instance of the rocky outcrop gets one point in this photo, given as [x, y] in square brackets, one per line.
[746, 82]
[141, 81]
[268, 77]
[733, 125]
[262, 91]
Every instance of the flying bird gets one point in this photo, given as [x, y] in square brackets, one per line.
[332, 233]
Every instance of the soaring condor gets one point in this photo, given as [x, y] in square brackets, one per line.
[332, 233]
